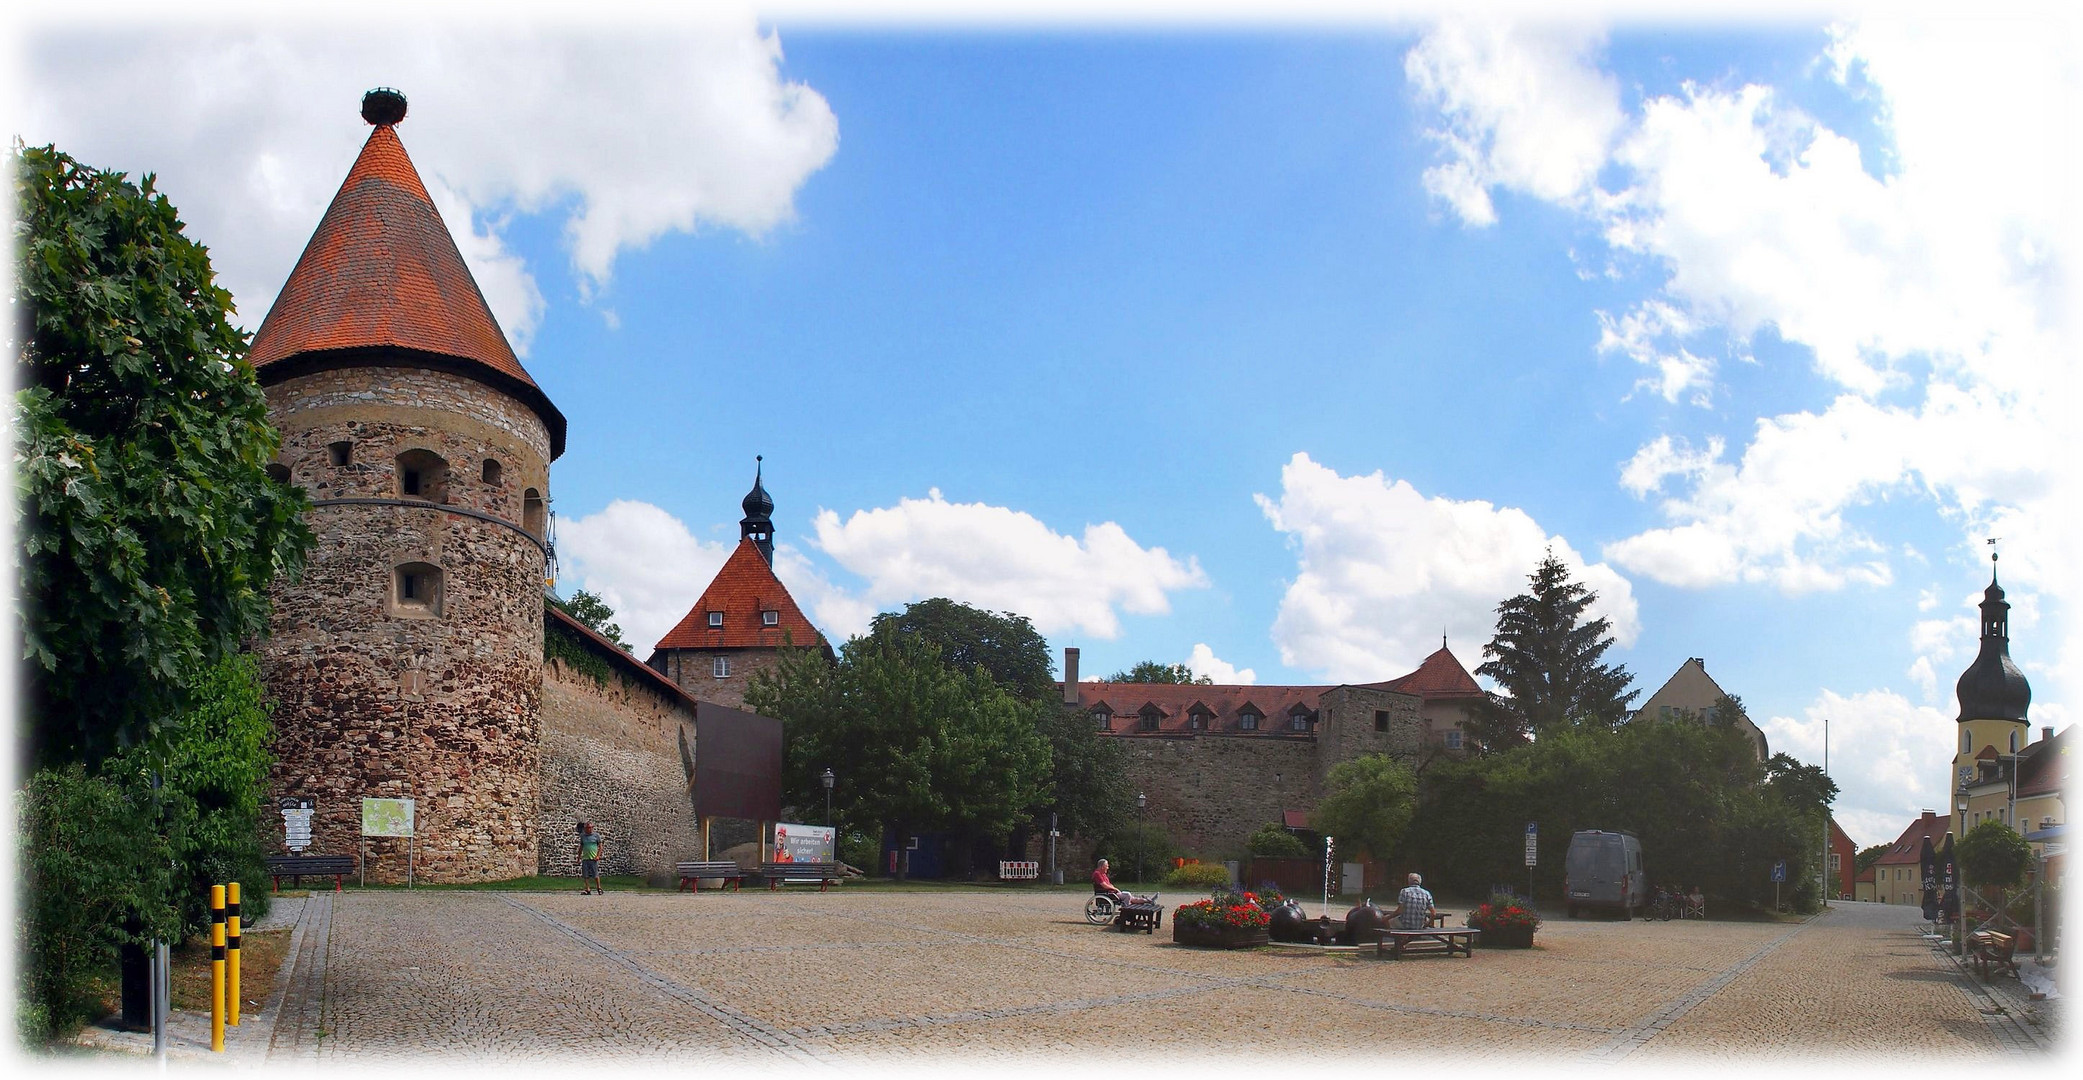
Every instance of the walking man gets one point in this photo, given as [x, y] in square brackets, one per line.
[589, 859]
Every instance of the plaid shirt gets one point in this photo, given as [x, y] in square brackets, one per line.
[1417, 908]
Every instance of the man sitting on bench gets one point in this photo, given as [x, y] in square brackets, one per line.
[1413, 907]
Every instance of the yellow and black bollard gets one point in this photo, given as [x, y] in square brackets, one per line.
[231, 954]
[217, 967]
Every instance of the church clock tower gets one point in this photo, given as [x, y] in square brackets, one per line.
[1993, 699]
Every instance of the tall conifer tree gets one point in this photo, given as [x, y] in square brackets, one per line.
[1545, 659]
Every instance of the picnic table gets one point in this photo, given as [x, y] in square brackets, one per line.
[1141, 916]
[1449, 940]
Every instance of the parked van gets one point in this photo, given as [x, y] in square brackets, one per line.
[1604, 870]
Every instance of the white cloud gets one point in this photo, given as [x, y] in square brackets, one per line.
[1640, 335]
[625, 136]
[1003, 559]
[1383, 570]
[1522, 109]
[1888, 756]
[837, 612]
[642, 561]
[1205, 663]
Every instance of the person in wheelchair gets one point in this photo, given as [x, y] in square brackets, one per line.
[1104, 886]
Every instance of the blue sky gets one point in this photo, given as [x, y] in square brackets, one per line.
[1280, 352]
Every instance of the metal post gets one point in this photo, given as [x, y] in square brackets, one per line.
[828, 779]
[231, 953]
[1143, 840]
[217, 967]
[159, 1001]
[1052, 849]
[1823, 869]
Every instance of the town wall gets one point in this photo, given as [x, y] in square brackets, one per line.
[1211, 792]
[616, 752]
[693, 670]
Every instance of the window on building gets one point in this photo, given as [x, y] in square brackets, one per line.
[1247, 721]
[340, 453]
[1148, 719]
[1666, 712]
[1298, 721]
[1453, 737]
[493, 472]
[716, 620]
[1198, 720]
[720, 667]
[279, 473]
[416, 590]
[2014, 742]
[1381, 720]
[1103, 720]
[770, 618]
[422, 475]
[1966, 741]
[533, 512]
[1836, 860]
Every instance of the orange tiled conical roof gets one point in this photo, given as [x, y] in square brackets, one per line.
[382, 272]
[1441, 676]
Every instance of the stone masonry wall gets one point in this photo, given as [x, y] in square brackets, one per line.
[692, 671]
[618, 755]
[1211, 792]
[378, 697]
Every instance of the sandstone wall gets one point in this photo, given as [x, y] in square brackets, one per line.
[1211, 792]
[617, 755]
[694, 671]
[381, 697]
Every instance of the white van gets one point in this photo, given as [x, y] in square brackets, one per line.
[1604, 870]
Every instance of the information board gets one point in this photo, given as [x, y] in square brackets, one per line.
[296, 823]
[804, 843]
[386, 817]
[1533, 837]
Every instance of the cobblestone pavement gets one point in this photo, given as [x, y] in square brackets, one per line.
[857, 976]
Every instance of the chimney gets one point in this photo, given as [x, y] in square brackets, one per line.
[2046, 733]
[1070, 676]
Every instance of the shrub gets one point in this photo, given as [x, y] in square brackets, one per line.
[1273, 842]
[1138, 846]
[1503, 911]
[1198, 876]
[1227, 910]
[85, 873]
[1993, 856]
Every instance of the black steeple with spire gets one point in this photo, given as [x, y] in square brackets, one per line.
[1992, 688]
[758, 523]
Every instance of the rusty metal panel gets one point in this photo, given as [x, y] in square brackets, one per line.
[737, 764]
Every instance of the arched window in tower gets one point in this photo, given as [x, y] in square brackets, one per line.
[422, 474]
[279, 473]
[416, 591]
[2014, 742]
[340, 453]
[532, 511]
[1967, 740]
[493, 472]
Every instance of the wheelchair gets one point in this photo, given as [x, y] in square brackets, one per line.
[1101, 909]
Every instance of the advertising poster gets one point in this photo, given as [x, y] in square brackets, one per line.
[804, 843]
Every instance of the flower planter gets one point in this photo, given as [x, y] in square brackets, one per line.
[1506, 937]
[1220, 937]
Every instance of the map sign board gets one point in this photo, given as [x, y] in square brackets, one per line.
[386, 817]
[296, 823]
[805, 843]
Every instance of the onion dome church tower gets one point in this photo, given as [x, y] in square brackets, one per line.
[407, 663]
[743, 619]
[1994, 697]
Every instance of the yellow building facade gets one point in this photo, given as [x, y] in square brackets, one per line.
[1992, 727]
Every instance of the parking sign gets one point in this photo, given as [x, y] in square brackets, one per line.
[1779, 871]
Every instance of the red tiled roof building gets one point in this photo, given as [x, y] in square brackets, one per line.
[1898, 873]
[743, 619]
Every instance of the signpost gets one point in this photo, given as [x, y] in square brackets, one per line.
[1533, 839]
[296, 823]
[1778, 875]
[387, 817]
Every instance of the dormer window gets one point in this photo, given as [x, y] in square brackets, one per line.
[1102, 719]
[770, 618]
[1149, 718]
[716, 620]
[1200, 719]
[1298, 720]
[1247, 719]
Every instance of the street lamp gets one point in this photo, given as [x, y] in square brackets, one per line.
[828, 778]
[1142, 841]
[1824, 867]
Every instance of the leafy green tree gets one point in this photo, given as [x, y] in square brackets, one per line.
[1137, 850]
[1150, 671]
[595, 613]
[1546, 661]
[1367, 803]
[926, 747]
[149, 527]
[1994, 858]
[1003, 644]
[1868, 856]
[1088, 786]
[1273, 842]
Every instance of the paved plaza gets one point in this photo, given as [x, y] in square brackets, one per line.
[863, 976]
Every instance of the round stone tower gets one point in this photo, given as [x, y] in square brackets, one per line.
[407, 663]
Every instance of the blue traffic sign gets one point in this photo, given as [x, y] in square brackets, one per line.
[1779, 870]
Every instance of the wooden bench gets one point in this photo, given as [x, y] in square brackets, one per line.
[1987, 949]
[824, 873]
[692, 873]
[1394, 943]
[1144, 917]
[294, 867]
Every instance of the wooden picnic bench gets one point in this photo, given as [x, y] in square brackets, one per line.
[692, 873]
[1448, 939]
[1988, 949]
[1144, 917]
[824, 873]
[294, 867]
